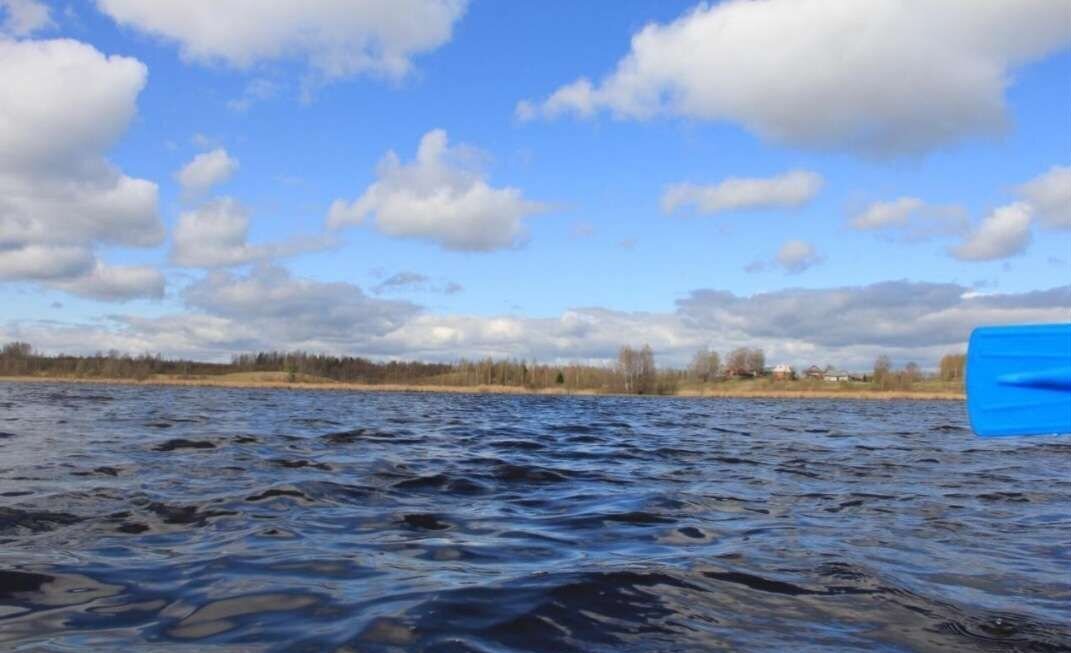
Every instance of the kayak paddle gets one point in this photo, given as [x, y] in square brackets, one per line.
[1019, 380]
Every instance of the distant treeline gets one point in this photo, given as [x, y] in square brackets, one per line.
[338, 368]
[634, 372]
[20, 359]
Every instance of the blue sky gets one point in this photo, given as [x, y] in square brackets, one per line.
[588, 177]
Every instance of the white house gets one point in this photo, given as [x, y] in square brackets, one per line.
[836, 376]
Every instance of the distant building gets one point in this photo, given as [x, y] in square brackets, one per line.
[836, 376]
[784, 372]
[814, 372]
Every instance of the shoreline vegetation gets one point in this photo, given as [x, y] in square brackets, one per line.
[744, 375]
[725, 389]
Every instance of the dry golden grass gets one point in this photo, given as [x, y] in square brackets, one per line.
[733, 389]
[813, 389]
[825, 394]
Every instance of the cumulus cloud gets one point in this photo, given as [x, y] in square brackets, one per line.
[300, 312]
[1050, 196]
[206, 170]
[62, 105]
[881, 215]
[441, 197]
[216, 235]
[786, 191]
[899, 315]
[23, 17]
[117, 283]
[883, 77]
[848, 326]
[336, 38]
[43, 262]
[795, 256]
[910, 218]
[1004, 233]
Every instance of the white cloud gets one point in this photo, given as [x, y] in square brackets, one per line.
[44, 262]
[911, 219]
[295, 311]
[439, 197]
[117, 283]
[74, 269]
[902, 316]
[216, 235]
[24, 17]
[848, 326]
[206, 170]
[881, 215]
[883, 77]
[795, 256]
[337, 38]
[62, 105]
[1004, 233]
[257, 90]
[1050, 196]
[786, 191]
[213, 236]
[526, 111]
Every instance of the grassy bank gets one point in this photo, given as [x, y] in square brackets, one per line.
[751, 388]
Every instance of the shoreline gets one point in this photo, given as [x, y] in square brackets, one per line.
[339, 386]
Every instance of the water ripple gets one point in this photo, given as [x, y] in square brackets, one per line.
[237, 519]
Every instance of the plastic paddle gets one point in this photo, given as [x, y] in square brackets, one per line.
[1019, 380]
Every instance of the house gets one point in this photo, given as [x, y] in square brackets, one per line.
[814, 372]
[784, 372]
[836, 376]
[739, 373]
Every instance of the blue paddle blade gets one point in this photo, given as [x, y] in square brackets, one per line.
[1019, 380]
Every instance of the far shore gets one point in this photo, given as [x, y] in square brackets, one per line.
[727, 390]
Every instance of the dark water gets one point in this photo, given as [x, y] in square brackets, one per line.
[208, 519]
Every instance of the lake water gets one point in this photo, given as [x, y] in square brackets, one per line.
[231, 519]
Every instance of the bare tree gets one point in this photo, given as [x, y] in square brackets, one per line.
[647, 379]
[745, 360]
[756, 361]
[952, 366]
[626, 365]
[882, 368]
[737, 360]
[705, 365]
[637, 370]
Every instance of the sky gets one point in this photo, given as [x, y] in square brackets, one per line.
[828, 180]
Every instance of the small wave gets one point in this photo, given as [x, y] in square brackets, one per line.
[441, 482]
[300, 463]
[511, 473]
[425, 522]
[278, 520]
[182, 443]
[14, 520]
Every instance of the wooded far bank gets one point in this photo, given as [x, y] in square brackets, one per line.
[744, 371]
